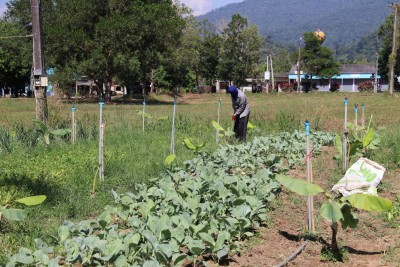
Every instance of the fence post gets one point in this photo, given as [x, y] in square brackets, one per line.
[218, 114]
[101, 160]
[172, 148]
[345, 135]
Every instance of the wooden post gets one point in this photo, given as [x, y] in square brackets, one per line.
[356, 119]
[362, 116]
[344, 151]
[73, 126]
[218, 114]
[101, 161]
[172, 148]
[310, 203]
[393, 55]
[144, 109]
[102, 150]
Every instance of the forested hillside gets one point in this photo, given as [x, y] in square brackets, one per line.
[344, 22]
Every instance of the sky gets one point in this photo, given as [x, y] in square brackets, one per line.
[2, 6]
[199, 7]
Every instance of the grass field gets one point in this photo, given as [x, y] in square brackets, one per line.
[65, 172]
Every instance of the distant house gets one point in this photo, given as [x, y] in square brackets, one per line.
[350, 76]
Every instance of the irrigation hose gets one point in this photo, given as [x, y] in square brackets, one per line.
[291, 257]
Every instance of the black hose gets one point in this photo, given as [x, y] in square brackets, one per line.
[291, 257]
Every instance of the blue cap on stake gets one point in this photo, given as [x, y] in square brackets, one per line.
[144, 101]
[175, 100]
[101, 102]
[73, 106]
[346, 101]
[355, 108]
[307, 127]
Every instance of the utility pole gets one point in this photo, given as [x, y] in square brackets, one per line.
[376, 74]
[39, 71]
[272, 74]
[393, 55]
[298, 71]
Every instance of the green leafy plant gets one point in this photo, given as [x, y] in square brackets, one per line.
[337, 209]
[191, 146]
[226, 133]
[146, 115]
[19, 214]
[47, 132]
[360, 142]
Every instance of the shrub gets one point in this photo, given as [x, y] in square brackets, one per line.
[366, 86]
[287, 87]
[334, 87]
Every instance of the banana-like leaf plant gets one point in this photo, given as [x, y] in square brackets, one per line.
[360, 142]
[337, 210]
[46, 131]
[223, 133]
[191, 146]
[20, 214]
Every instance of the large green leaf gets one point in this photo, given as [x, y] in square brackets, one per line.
[32, 201]
[368, 137]
[189, 144]
[217, 126]
[331, 211]
[169, 159]
[61, 132]
[299, 186]
[349, 218]
[369, 202]
[339, 144]
[14, 214]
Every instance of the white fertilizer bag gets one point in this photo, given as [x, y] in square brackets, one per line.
[361, 178]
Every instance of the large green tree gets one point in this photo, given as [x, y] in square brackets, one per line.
[241, 50]
[318, 60]
[112, 40]
[15, 56]
[385, 34]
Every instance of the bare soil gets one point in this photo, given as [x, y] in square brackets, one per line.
[375, 242]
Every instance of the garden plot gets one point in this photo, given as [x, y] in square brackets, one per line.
[198, 213]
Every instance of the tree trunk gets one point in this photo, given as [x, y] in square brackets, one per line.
[334, 245]
[42, 112]
[152, 82]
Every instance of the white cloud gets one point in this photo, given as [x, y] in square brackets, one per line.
[2, 10]
[198, 6]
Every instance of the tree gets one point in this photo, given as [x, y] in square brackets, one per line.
[385, 34]
[105, 40]
[15, 56]
[241, 50]
[318, 60]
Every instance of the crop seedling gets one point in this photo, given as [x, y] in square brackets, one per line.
[19, 214]
[360, 144]
[47, 132]
[191, 146]
[337, 209]
[228, 133]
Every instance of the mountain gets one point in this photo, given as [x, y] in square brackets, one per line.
[343, 21]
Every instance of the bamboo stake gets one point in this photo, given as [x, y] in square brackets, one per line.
[362, 116]
[309, 178]
[102, 150]
[144, 108]
[218, 114]
[101, 104]
[73, 126]
[172, 148]
[344, 151]
[356, 119]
